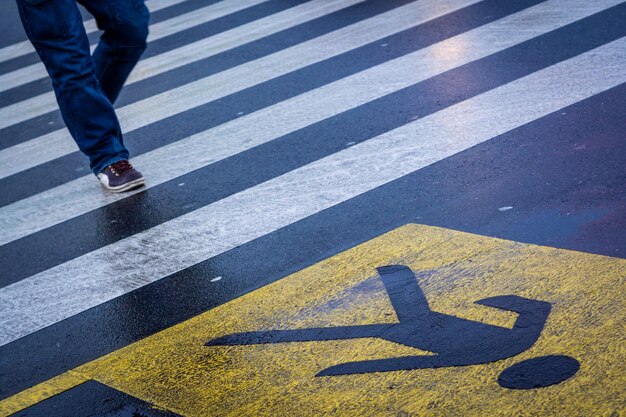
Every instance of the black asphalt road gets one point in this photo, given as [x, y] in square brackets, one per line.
[563, 176]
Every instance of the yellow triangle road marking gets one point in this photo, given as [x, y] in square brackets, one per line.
[583, 320]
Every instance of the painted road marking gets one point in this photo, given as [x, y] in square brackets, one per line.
[578, 296]
[46, 102]
[51, 296]
[158, 30]
[25, 47]
[80, 196]
[205, 47]
[136, 115]
[452, 341]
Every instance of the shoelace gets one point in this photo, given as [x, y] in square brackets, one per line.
[120, 167]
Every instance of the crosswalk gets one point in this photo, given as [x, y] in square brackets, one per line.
[157, 31]
[46, 102]
[252, 130]
[61, 142]
[25, 47]
[398, 54]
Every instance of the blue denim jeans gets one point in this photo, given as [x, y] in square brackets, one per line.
[86, 86]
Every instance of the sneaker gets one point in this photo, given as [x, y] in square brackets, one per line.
[120, 176]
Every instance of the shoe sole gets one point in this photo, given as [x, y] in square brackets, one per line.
[126, 187]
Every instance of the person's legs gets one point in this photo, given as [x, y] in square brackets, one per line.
[125, 26]
[56, 30]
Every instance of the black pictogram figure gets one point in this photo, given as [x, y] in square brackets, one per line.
[455, 341]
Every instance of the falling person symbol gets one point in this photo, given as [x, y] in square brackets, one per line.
[454, 341]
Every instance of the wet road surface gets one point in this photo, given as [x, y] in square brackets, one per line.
[293, 150]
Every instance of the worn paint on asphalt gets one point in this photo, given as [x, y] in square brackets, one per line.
[175, 370]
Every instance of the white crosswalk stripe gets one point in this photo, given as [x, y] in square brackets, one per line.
[133, 116]
[157, 31]
[80, 196]
[25, 47]
[114, 270]
[46, 102]
[201, 49]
